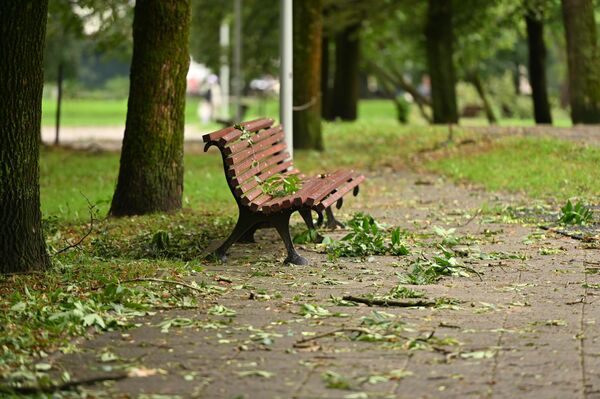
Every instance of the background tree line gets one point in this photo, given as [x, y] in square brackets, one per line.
[336, 43]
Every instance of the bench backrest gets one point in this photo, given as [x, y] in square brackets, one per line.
[248, 160]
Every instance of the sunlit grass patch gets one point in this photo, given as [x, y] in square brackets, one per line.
[538, 167]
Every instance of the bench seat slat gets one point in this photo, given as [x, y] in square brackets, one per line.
[327, 187]
[252, 126]
[242, 155]
[241, 178]
[287, 201]
[280, 168]
[340, 192]
[243, 144]
[242, 166]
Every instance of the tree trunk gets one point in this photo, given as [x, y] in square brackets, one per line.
[583, 60]
[22, 32]
[537, 68]
[308, 26]
[59, 89]
[440, 41]
[487, 106]
[151, 170]
[346, 80]
[326, 104]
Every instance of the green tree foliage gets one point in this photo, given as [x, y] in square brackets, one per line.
[260, 34]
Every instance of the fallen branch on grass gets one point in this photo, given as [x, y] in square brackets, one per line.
[388, 302]
[27, 390]
[92, 211]
[333, 332]
[158, 280]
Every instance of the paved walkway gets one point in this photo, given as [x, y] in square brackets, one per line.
[106, 137]
[527, 328]
[110, 137]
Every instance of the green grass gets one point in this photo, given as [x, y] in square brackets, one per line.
[97, 112]
[112, 112]
[541, 168]
[66, 175]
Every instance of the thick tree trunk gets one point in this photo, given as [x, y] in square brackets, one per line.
[440, 41]
[326, 104]
[537, 69]
[22, 32]
[346, 80]
[151, 171]
[308, 28]
[583, 60]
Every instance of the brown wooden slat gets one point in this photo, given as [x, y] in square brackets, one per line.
[241, 178]
[286, 202]
[304, 194]
[250, 184]
[243, 144]
[251, 195]
[327, 187]
[214, 136]
[251, 126]
[242, 166]
[257, 203]
[340, 192]
[307, 186]
[261, 145]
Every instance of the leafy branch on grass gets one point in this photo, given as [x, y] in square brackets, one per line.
[389, 302]
[577, 214]
[367, 238]
[93, 212]
[428, 271]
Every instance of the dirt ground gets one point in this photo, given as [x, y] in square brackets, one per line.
[524, 325]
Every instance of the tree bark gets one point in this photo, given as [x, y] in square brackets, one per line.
[308, 27]
[439, 42]
[583, 57]
[22, 33]
[151, 169]
[346, 80]
[326, 104]
[537, 68]
[59, 89]
[487, 106]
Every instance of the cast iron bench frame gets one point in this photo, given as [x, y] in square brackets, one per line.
[249, 160]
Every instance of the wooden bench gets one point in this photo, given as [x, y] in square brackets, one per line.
[253, 157]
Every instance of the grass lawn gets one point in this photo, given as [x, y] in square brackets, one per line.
[112, 112]
[541, 168]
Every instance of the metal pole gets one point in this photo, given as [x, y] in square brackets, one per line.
[224, 72]
[286, 74]
[237, 61]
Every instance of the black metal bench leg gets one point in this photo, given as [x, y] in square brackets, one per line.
[248, 237]
[307, 216]
[332, 223]
[244, 223]
[282, 223]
